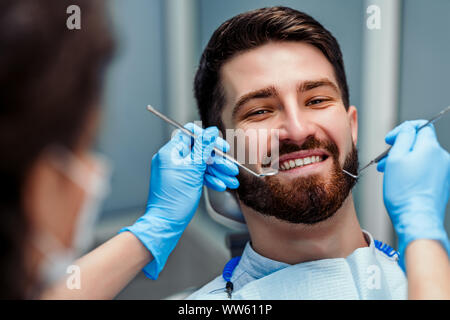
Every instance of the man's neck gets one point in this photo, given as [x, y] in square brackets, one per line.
[336, 237]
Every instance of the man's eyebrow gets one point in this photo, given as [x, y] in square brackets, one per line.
[312, 84]
[257, 94]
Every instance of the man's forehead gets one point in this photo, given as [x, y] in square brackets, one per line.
[275, 64]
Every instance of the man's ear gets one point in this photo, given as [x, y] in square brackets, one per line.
[352, 114]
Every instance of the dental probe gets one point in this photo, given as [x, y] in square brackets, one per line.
[216, 150]
[381, 156]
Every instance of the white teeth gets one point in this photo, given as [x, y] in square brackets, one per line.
[290, 164]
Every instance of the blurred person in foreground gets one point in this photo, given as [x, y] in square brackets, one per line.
[52, 184]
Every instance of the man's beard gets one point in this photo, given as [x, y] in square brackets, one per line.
[306, 200]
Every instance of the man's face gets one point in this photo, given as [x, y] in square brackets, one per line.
[291, 87]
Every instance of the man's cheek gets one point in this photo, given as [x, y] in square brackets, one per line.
[261, 147]
[344, 155]
[244, 146]
[343, 143]
[268, 147]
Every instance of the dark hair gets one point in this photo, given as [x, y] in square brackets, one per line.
[50, 82]
[250, 30]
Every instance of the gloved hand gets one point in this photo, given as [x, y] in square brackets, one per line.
[416, 184]
[178, 173]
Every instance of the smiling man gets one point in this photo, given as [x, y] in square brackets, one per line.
[279, 69]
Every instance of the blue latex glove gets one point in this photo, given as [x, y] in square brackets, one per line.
[178, 173]
[416, 184]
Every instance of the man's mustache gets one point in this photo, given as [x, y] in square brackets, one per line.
[310, 143]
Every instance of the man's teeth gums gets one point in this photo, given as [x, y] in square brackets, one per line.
[290, 164]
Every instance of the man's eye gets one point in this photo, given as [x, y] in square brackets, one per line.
[315, 102]
[257, 112]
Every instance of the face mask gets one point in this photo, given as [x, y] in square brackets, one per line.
[96, 191]
[95, 183]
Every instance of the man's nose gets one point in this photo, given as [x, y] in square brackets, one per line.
[296, 124]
